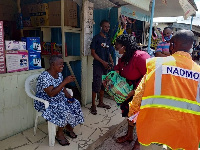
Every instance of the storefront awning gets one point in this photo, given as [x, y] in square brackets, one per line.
[143, 4]
[135, 13]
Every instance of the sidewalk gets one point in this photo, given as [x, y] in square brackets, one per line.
[91, 134]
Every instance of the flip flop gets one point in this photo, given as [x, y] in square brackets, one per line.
[104, 106]
[93, 111]
[68, 133]
[63, 142]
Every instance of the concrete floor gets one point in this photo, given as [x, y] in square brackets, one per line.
[91, 134]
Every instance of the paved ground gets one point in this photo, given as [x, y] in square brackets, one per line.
[90, 135]
[110, 144]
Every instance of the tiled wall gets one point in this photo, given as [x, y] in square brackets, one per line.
[16, 108]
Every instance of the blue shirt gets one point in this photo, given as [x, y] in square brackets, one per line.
[102, 47]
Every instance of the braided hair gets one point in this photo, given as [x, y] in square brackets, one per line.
[131, 46]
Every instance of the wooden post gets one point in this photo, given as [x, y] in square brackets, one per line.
[20, 11]
[63, 40]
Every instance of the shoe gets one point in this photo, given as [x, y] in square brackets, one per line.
[104, 106]
[70, 134]
[93, 110]
[63, 142]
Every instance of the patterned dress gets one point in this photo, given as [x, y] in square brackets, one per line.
[60, 111]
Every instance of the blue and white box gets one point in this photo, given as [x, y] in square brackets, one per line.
[32, 44]
[34, 60]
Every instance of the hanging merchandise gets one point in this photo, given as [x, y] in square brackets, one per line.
[156, 37]
[116, 86]
[118, 32]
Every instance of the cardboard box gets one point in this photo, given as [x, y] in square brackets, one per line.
[42, 20]
[32, 44]
[16, 60]
[70, 13]
[43, 8]
[2, 50]
[34, 61]
[15, 45]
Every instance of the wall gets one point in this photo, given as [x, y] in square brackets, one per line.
[16, 108]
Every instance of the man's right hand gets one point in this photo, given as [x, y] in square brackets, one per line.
[106, 65]
[69, 79]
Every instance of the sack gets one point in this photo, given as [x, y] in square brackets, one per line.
[116, 86]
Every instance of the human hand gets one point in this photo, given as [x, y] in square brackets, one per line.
[166, 53]
[69, 79]
[106, 65]
[130, 94]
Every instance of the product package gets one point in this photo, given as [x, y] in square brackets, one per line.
[16, 60]
[34, 60]
[15, 45]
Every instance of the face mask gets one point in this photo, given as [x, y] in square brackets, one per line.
[118, 55]
[168, 38]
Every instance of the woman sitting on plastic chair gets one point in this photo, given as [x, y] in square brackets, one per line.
[63, 110]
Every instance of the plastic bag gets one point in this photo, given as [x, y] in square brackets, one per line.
[116, 86]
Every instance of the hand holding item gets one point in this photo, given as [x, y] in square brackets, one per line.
[130, 94]
[71, 100]
[106, 65]
[69, 79]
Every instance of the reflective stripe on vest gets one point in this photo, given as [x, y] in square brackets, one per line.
[198, 92]
[158, 76]
[178, 104]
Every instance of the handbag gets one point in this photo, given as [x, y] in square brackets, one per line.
[116, 86]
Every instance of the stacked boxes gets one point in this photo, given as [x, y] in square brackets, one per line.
[35, 15]
[34, 52]
[70, 13]
[49, 14]
[16, 56]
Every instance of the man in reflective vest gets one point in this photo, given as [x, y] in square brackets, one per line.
[170, 108]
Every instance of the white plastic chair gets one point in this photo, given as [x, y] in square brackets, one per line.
[30, 88]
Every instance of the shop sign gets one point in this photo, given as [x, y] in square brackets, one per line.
[2, 50]
[187, 8]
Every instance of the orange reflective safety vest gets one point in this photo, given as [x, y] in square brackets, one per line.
[170, 108]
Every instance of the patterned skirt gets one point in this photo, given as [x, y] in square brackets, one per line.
[61, 112]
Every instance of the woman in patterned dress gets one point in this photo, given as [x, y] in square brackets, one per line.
[63, 110]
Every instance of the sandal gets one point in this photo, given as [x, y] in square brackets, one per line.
[123, 139]
[104, 106]
[62, 142]
[93, 110]
[71, 134]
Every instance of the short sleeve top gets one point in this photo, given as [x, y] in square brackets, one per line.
[135, 69]
[102, 47]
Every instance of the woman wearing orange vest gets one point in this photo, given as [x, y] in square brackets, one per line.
[170, 107]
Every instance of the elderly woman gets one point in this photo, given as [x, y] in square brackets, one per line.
[132, 66]
[63, 110]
